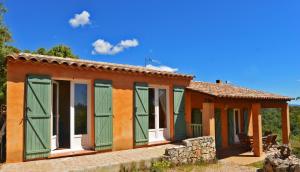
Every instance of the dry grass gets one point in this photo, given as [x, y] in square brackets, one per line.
[218, 167]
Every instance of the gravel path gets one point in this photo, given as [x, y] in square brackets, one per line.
[110, 161]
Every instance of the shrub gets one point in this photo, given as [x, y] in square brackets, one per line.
[160, 166]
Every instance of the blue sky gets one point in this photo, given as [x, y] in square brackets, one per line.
[249, 43]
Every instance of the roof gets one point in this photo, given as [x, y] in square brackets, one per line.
[93, 64]
[224, 90]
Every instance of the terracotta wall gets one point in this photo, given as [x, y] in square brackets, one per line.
[197, 99]
[123, 84]
[208, 119]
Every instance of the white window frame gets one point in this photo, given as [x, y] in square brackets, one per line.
[53, 147]
[89, 144]
[76, 137]
[160, 131]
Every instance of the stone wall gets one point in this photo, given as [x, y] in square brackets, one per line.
[282, 160]
[200, 149]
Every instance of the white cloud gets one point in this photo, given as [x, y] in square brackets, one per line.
[103, 47]
[129, 43]
[80, 19]
[162, 68]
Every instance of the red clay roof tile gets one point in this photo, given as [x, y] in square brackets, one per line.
[94, 64]
[224, 90]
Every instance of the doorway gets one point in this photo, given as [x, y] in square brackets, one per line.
[60, 118]
[70, 116]
[158, 114]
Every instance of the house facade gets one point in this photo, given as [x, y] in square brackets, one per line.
[58, 106]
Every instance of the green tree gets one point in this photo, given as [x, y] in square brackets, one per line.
[27, 51]
[41, 51]
[58, 50]
[61, 51]
[5, 49]
[5, 35]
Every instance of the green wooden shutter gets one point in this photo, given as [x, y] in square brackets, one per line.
[141, 115]
[218, 128]
[230, 126]
[179, 118]
[246, 121]
[37, 119]
[103, 115]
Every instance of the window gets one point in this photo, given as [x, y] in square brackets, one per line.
[157, 108]
[162, 94]
[158, 114]
[80, 109]
[151, 108]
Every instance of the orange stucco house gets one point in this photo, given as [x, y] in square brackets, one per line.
[60, 106]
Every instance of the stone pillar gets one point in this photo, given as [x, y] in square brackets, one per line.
[285, 123]
[257, 129]
[224, 127]
[208, 119]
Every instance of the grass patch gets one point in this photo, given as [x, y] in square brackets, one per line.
[160, 166]
[259, 164]
[200, 166]
[295, 145]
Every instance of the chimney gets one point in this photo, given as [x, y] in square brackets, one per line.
[218, 81]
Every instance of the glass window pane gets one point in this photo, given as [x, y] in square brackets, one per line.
[80, 109]
[162, 108]
[151, 109]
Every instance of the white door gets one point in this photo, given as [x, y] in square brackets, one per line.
[159, 114]
[55, 115]
[79, 115]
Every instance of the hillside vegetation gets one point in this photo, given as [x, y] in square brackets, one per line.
[271, 121]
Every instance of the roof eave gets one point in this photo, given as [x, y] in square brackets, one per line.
[244, 97]
[70, 62]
